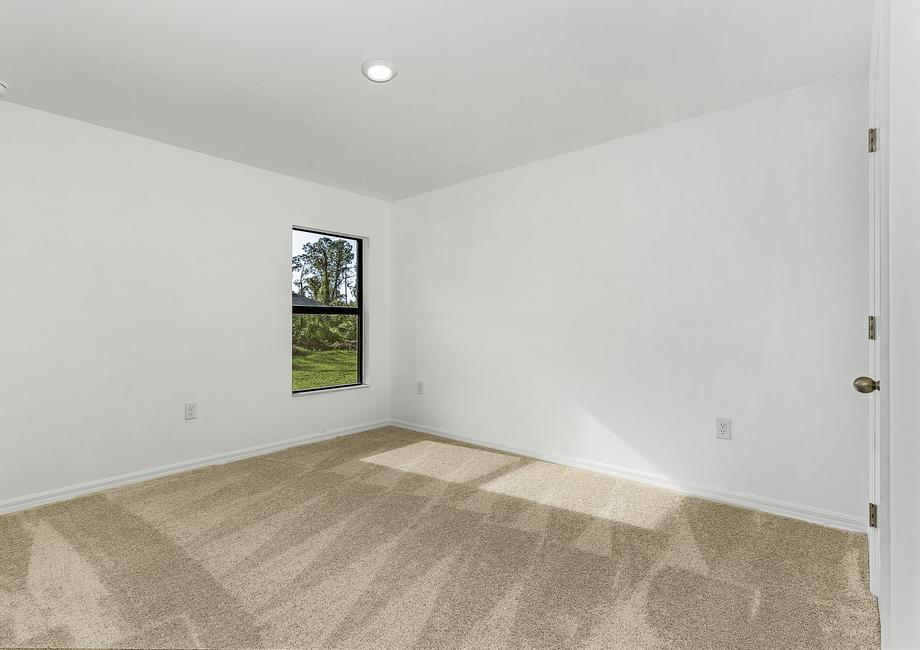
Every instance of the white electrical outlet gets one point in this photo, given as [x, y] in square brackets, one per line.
[191, 410]
[419, 388]
[723, 429]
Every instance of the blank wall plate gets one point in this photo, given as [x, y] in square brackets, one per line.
[191, 410]
[723, 429]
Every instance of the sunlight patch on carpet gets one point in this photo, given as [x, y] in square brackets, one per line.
[583, 492]
[442, 461]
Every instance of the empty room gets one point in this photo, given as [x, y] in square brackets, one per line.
[601, 327]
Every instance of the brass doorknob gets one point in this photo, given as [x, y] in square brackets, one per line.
[865, 384]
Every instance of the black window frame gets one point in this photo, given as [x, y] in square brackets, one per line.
[356, 311]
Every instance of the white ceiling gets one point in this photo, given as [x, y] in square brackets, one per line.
[483, 85]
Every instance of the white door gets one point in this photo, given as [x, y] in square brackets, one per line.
[877, 327]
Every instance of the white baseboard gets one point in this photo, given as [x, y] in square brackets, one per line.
[69, 492]
[740, 499]
[753, 502]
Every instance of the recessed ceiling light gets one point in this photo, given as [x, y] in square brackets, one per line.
[3, 88]
[379, 70]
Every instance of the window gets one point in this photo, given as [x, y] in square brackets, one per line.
[326, 313]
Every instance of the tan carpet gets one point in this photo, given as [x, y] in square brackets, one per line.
[391, 539]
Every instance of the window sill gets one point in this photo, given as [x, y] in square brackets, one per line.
[333, 389]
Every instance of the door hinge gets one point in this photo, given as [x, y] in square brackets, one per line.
[872, 334]
[873, 140]
[873, 516]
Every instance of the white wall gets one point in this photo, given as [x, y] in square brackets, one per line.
[135, 276]
[609, 304]
[902, 146]
[604, 305]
